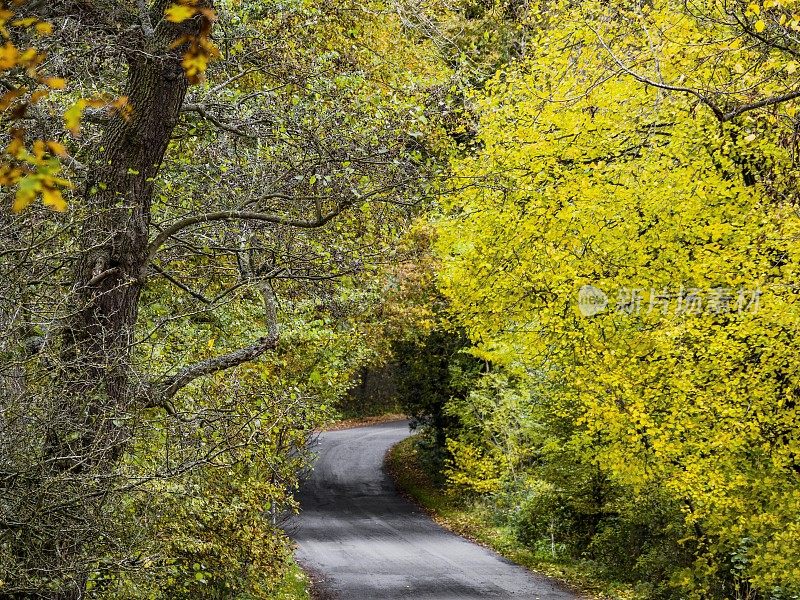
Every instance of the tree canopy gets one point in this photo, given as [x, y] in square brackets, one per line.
[625, 235]
[573, 227]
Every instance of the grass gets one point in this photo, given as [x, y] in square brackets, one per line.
[473, 520]
[295, 586]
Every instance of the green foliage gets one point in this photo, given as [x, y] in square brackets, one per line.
[212, 537]
[431, 371]
[212, 528]
[235, 230]
[295, 586]
[477, 518]
[645, 149]
[513, 456]
[207, 521]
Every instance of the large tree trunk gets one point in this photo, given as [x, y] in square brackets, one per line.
[113, 266]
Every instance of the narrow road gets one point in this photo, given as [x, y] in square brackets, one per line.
[369, 543]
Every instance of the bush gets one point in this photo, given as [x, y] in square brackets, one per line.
[211, 536]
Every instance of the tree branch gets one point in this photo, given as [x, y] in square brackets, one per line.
[202, 110]
[213, 365]
[718, 112]
[763, 103]
[241, 215]
[722, 115]
[144, 18]
[159, 396]
[264, 286]
[180, 284]
[101, 276]
[244, 215]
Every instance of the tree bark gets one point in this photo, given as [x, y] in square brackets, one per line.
[116, 232]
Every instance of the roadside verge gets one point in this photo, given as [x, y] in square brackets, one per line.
[473, 521]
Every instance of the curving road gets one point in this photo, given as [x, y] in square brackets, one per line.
[368, 543]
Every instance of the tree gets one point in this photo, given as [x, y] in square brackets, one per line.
[287, 169]
[632, 249]
[431, 372]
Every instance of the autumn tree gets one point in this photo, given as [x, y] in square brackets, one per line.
[252, 155]
[625, 239]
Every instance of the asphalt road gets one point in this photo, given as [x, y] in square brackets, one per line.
[365, 542]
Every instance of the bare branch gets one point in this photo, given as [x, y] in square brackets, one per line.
[185, 376]
[239, 215]
[101, 276]
[243, 215]
[202, 110]
[268, 297]
[180, 284]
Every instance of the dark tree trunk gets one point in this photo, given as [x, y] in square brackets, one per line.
[113, 266]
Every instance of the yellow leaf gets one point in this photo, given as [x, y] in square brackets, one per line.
[72, 116]
[38, 95]
[55, 83]
[52, 197]
[10, 175]
[29, 57]
[177, 13]
[760, 26]
[39, 149]
[122, 107]
[9, 97]
[23, 199]
[44, 28]
[208, 13]
[98, 102]
[9, 56]
[194, 65]
[57, 148]
[17, 143]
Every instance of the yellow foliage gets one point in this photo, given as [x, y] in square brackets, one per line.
[199, 49]
[473, 470]
[688, 377]
[9, 56]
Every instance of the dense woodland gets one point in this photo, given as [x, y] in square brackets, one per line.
[567, 230]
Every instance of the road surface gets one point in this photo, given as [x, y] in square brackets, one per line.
[367, 543]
